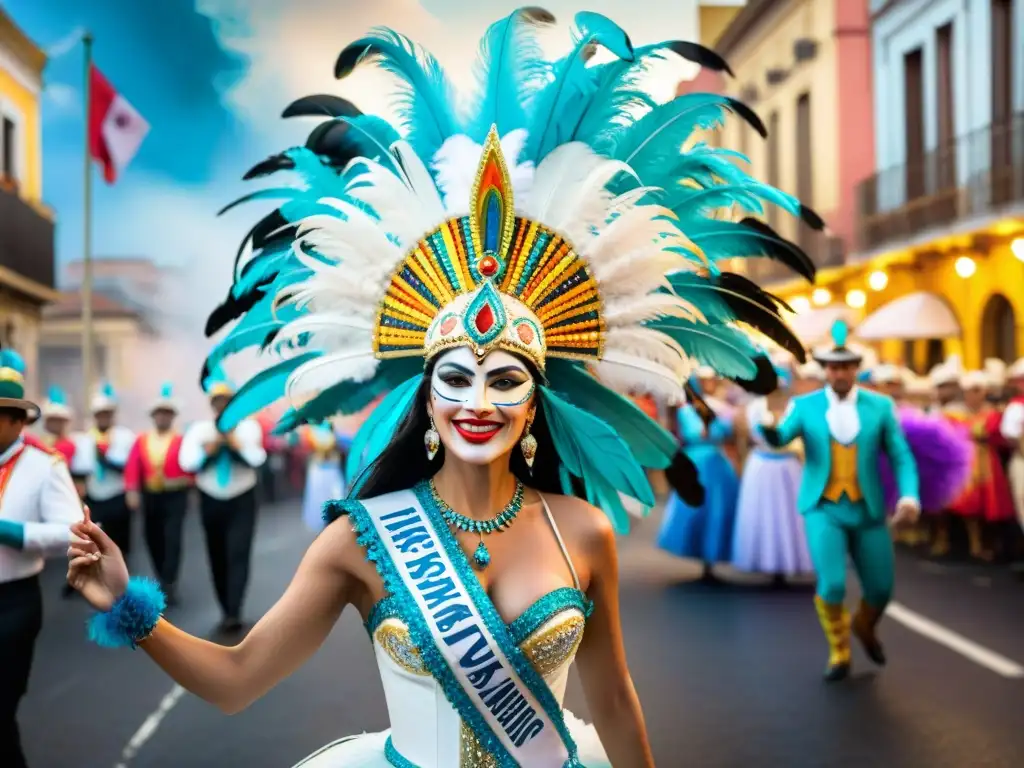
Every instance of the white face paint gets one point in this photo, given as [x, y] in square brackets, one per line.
[480, 409]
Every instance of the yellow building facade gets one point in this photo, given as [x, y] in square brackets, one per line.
[26, 224]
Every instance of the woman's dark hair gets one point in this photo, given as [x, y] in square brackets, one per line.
[404, 462]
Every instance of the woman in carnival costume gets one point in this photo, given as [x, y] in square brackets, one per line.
[474, 278]
[704, 531]
[325, 479]
[770, 536]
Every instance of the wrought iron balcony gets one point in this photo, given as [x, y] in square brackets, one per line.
[978, 174]
[26, 238]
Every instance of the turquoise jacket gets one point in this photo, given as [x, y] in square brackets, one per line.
[879, 431]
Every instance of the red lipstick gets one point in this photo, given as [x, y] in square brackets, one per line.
[476, 431]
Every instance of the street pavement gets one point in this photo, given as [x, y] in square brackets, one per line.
[729, 674]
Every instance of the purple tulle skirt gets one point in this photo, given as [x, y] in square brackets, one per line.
[943, 454]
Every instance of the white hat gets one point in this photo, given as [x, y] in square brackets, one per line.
[995, 369]
[943, 374]
[166, 401]
[975, 380]
[811, 370]
[1016, 371]
[887, 373]
[56, 405]
[105, 399]
[918, 385]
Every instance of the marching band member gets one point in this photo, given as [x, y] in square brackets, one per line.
[38, 503]
[225, 466]
[155, 481]
[844, 429]
[100, 457]
[57, 415]
[1012, 429]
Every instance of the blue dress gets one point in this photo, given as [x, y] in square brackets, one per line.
[706, 532]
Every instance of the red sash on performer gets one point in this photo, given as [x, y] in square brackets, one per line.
[8, 469]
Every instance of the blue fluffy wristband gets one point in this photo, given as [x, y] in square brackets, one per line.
[132, 618]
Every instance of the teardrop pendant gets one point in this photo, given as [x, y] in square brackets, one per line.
[481, 557]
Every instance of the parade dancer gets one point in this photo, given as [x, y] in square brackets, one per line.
[325, 480]
[38, 503]
[986, 499]
[1012, 429]
[100, 457]
[704, 531]
[844, 429]
[56, 422]
[770, 536]
[226, 465]
[156, 483]
[478, 273]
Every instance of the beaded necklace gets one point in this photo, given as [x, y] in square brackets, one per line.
[501, 521]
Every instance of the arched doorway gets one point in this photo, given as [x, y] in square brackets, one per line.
[998, 329]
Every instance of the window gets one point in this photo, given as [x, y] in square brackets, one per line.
[945, 168]
[1002, 100]
[914, 123]
[10, 146]
[773, 165]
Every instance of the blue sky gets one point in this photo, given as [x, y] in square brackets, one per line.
[211, 77]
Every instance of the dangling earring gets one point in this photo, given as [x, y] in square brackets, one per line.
[431, 440]
[528, 445]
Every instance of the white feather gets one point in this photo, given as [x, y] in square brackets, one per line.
[634, 310]
[357, 364]
[636, 272]
[646, 343]
[455, 165]
[629, 374]
[564, 168]
[329, 330]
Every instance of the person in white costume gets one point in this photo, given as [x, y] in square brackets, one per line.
[100, 457]
[1012, 429]
[503, 274]
[38, 502]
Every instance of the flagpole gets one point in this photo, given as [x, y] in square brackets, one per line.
[87, 335]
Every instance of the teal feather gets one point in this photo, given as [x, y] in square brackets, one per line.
[840, 333]
[689, 202]
[379, 428]
[253, 329]
[167, 390]
[56, 396]
[427, 98]
[723, 347]
[107, 390]
[263, 389]
[271, 193]
[651, 444]
[593, 452]
[559, 105]
[510, 62]
[11, 359]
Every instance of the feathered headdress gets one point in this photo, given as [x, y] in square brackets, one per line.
[56, 404]
[165, 400]
[559, 219]
[105, 398]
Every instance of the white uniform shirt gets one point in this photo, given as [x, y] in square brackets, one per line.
[842, 417]
[102, 483]
[40, 496]
[1012, 425]
[249, 435]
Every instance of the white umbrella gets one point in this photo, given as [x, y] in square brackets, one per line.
[815, 326]
[919, 315]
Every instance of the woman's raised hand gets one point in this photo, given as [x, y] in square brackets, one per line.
[96, 567]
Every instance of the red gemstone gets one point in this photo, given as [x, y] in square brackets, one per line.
[488, 266]
[484, 319]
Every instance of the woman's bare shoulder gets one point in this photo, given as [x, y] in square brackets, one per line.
[580, 522]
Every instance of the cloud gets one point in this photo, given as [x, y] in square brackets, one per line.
[64, 99]
[65, 44]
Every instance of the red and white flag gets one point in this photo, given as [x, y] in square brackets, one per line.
[116, 129]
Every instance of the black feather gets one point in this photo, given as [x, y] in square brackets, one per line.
[811, 219]
[273, 164]
[536, 15]
[233, 307]
[321, 105]
[331, 139]
[269, 339]
[350, 57]
[699, 54]
[204, 374]
[684, 479]
[765, 381]
[262, 232]
[759, 309]
[782, 250]
[700, 405]
[749, 116]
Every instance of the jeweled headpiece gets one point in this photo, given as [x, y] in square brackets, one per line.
[565, 217]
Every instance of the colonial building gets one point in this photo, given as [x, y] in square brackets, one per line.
[940, 222]
[804, 67]
[26, 224]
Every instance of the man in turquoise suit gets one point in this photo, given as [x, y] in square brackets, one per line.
[844, 429]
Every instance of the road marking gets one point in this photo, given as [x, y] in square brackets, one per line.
[954, 641]
[149, 726]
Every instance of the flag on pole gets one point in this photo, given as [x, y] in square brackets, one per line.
[116, 129]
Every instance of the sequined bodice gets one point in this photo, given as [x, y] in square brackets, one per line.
[425, 727]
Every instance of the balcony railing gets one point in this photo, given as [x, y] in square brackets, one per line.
[26, 239]
[977, 174]
[825, 251]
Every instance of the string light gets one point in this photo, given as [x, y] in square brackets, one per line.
[877, 280]
[800, 304]
[856, 298]
[821, 297]
[1017, 247]
[965, 266]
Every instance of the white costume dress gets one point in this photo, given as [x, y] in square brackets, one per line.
[426, 731]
